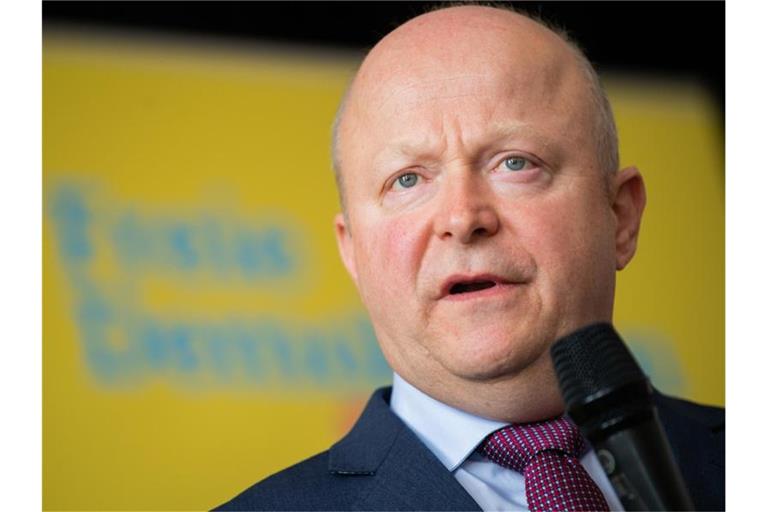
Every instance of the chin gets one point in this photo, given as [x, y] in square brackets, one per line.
[484, 356]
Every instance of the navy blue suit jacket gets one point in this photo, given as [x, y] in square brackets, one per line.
[381, 465]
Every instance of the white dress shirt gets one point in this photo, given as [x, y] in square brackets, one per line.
[452, 435]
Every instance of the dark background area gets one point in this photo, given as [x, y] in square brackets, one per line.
[684, 40]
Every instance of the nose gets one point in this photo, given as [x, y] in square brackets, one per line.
[466, 211]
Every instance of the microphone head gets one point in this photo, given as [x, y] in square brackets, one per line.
[601, 383]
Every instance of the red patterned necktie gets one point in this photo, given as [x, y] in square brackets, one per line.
[547, 454]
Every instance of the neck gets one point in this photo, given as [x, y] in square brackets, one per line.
[528, 396]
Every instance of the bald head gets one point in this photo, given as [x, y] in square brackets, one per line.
[459, 46]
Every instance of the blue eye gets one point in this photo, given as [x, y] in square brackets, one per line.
[408, 180]
[515, 163]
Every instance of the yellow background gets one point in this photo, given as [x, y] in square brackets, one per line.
[173, 131]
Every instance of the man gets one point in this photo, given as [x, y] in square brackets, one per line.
[484, 217]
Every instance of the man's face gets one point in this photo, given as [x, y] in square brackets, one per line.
[480, 227]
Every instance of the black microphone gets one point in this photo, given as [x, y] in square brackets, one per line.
[609, 397]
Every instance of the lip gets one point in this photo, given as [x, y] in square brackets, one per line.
[502, 285]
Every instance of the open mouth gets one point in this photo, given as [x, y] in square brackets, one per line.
[472, 286]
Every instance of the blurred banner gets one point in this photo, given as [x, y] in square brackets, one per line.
[200, 331]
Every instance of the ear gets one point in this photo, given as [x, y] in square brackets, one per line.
[628, 204]
[346, 247]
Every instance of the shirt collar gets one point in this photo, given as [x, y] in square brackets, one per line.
[450, 433]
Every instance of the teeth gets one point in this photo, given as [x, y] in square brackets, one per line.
[471, 287]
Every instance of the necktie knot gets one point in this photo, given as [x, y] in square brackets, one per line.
[515, 446]
[547, 453]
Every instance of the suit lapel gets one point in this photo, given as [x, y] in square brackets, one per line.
[403, 473]
[411, 478]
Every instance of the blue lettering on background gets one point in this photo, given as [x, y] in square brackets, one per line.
[185, 255]
[71, 219]
[204, 245]
[125, 345]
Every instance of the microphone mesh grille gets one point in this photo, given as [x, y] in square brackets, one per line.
[593, 360]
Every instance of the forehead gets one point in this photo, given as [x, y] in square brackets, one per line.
[486, 97]
[467, 110]
[511, 89]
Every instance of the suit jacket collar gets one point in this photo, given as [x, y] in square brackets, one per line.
[407, 475]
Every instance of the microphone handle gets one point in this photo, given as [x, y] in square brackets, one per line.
[641, 468]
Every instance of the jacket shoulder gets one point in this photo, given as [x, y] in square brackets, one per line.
[334, 479]
[696, 434]
[710, 417]
[693, 427]
[373, 467]
[308, 485]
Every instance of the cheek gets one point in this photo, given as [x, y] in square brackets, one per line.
[391, 256]
[570, 238]
[400, 242]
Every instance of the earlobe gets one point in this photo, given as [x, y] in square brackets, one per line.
[346, 247]
[628, 205]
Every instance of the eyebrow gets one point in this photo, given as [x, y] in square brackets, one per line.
[403, 149]
[502, 131]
